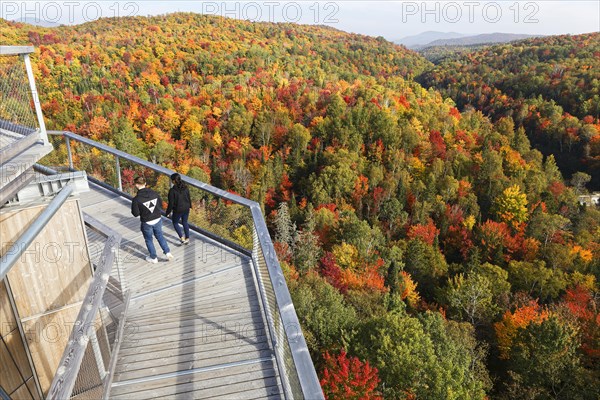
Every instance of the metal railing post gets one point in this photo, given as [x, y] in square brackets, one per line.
[69, 154]
[118, 171]
[36, 99]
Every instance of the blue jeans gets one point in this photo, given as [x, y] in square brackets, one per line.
[184, 221]
[156, 230]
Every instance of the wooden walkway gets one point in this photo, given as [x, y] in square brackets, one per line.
[195, 327]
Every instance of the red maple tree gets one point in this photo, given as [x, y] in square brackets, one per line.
[346, 377]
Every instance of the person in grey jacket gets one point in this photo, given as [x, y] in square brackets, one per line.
[147, 205]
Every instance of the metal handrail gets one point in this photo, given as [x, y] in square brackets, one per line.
[18, 248]
[83, 330]
[16, 50]
[155, 167]
[307, 376]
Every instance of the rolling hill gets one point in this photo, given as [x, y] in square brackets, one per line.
[548, 85]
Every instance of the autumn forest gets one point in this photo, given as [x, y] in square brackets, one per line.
[426, 215]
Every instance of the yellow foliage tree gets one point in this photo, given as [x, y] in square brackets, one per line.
[190, 127]
[511, 206]
[346, 255]
[408, 289]
[170, 120]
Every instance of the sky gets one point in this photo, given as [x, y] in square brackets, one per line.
[390, 19]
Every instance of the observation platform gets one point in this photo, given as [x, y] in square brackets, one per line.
[195, 326]
[216, 322]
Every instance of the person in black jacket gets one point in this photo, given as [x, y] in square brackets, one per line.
[180, 203]
[147, 205]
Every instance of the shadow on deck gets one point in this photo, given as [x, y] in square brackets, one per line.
[195, 325]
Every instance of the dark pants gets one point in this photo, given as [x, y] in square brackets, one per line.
[156, 231]
[184, 221]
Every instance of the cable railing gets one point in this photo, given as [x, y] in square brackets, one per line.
[228, 218]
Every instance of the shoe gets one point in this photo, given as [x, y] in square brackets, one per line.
[169, 256]
[186, 241]
[152, 260]
[182, 240]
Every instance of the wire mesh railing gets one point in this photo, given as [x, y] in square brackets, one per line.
[278, 330]
[20, 111]
[222, 216]
[17, 112]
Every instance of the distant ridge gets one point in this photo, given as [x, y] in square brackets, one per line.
[432, 38]
[424, 38]
[487, 38]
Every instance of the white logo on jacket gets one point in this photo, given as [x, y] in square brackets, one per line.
[150, 205]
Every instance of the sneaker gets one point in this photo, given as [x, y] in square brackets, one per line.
[186, 241]
[182, 240]
[152, 260]
[169, 256]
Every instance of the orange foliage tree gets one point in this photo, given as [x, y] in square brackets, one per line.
[362, 276]
[426, 232]
[511, 323]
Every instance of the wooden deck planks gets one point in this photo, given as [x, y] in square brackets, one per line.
[186, 318]
[255, 378]
[169, 311]
[186, 362]
[191, 353]
[195, 327]
[156, 276]
[201, 324]
[200, 390]
[207, 341]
